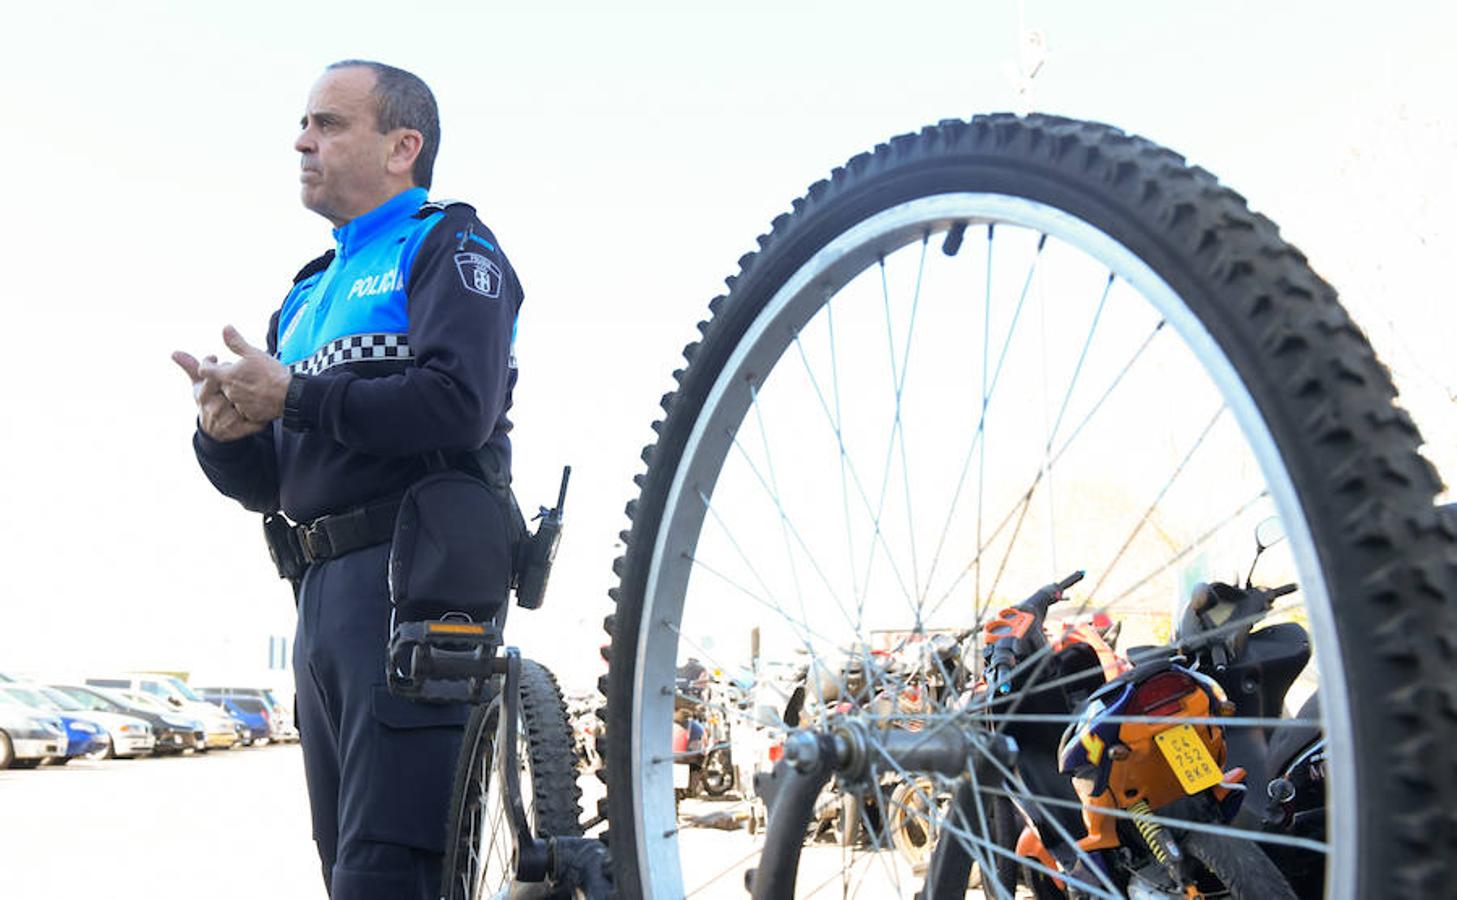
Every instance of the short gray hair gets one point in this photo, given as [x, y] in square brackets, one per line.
[403, 100]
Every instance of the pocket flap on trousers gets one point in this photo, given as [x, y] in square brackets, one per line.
[400, 712]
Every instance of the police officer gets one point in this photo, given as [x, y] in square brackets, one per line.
[390, 351]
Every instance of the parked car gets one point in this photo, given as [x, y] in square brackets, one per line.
[173, 731]
[222, 729]
[251, 711]
[84, 736]
[126, 735]
[28, 737]
[284, 728]
[280, 716]
[217, 726]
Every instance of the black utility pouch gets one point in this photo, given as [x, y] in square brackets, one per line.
[283, 546]
[451, 552]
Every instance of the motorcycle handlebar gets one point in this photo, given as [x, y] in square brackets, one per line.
[1050, 594]
[1003, 659]
[1276, 593]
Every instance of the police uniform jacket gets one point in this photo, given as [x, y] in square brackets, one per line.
[400, 342]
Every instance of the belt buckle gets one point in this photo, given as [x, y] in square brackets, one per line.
[315, 541]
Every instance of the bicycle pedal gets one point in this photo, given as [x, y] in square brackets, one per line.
[443, 661]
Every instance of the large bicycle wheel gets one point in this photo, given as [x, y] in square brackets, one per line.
[972, 361]
[479, 858]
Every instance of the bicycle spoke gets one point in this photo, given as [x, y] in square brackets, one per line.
[989, 872]
[899, 427]
[1038, 801]
[989, 390]
[1163, 491]
[773, 488]
[1184, 824]
[889, 862]
[732, 867]
[1223, 721]
[839, 439]
[1046, 468]
[898, 383]
[1193, 545]
[986, 336]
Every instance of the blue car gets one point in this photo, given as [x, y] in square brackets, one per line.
[250, 711]
[83, 736]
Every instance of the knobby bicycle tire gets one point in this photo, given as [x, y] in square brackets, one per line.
[554, 807]
[1387, 558]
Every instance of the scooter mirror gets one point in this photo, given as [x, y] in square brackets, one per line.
[1269, 533]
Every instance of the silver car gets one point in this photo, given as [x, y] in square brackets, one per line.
[27, 737]
[129, 735]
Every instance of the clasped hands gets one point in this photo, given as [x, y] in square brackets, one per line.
[240, 398]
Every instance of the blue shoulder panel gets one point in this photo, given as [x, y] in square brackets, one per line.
[359, 302]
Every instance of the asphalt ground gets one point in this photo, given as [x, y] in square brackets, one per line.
[234, 825]
[715, 860]
[224, 825]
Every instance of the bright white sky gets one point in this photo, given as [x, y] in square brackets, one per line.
[626, 157]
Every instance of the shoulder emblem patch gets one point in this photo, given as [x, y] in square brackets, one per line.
[479, 273]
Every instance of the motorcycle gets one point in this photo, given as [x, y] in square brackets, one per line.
[1129, 752]
[703, 762]
[582, 714]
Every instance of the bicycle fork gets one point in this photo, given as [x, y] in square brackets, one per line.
[849, 751]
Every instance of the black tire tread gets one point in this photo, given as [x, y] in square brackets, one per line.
[1242, 866]
[553, 754]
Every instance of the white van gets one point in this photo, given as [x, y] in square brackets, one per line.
[222, 730]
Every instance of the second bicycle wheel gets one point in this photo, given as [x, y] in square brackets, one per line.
[479, 855]
[970, 362]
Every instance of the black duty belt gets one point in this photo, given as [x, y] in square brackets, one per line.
[329, 536]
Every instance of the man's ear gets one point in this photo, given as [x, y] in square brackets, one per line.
[404, 149]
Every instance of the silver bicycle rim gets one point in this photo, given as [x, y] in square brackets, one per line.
[803, 294]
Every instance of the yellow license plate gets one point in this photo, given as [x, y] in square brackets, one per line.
[1191, 761]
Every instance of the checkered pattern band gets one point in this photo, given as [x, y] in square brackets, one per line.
[355, 348]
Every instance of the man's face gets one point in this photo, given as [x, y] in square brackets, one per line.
[342, 153]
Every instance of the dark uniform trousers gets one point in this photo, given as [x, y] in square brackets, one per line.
[379, 767]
